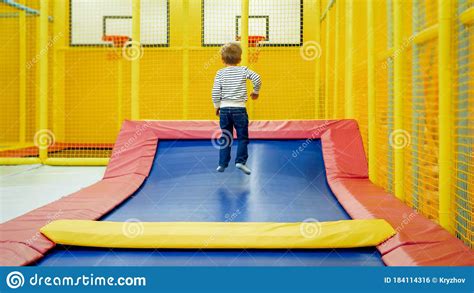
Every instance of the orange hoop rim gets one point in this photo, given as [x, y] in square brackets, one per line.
[118, 41]
[254, 41]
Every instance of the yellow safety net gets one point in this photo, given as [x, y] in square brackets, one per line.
[359, 72]
[383, 31]
[463, 122]
[18, 80]
[421, 112]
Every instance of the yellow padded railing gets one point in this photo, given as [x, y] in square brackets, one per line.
[216, 235]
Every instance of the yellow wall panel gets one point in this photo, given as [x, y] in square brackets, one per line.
[9, 79]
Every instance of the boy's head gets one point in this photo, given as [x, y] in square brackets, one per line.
[231, 53]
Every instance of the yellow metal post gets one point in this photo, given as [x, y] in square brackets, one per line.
[371, 91]
[426, 35]
[22, 76]
[244, 42]
[60, 28]
[120, 62]
[398, 95]
[37, 74]
[194, 20]
[244, 38]
[445, 13]
[185, 24]
[312, 37]
[317, 61]
[467, 16]
[349, 47]
[43, 77]
[335, 98]
[135, 79]
[327, 59]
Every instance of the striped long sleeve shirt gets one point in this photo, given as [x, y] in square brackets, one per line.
[230, 86]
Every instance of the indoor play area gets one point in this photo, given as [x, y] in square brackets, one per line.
[361, 140]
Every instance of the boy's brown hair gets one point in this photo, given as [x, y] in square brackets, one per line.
[231, 53]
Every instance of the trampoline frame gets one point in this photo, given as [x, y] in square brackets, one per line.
[423, 242]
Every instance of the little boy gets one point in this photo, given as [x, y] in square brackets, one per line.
[229, 96]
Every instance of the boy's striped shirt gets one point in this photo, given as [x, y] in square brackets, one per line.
[230, 86]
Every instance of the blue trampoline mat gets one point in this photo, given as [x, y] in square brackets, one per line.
[288, 184]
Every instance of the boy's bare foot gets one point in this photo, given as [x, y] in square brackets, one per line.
[243, 168]
[220, 169]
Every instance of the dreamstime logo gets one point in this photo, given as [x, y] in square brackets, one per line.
[310, 50]
[399, 139]
[211, 61]
[221, 140]
[44, 138]
[314, 135]
[132, 140]
[406, 220]
[51, 218]
[132, 50]
[15, 280]
[132, 228]
[406, 44]
[44, 50]
[232, 217]
[310, 228]
[228, 218]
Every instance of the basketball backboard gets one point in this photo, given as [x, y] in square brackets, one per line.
[91, 20]
[279, 21]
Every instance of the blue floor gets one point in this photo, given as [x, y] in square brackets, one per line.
[288, 184]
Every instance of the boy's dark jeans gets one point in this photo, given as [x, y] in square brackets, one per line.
[231, 118]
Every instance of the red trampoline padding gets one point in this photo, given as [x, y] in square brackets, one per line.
[422, 242]
[430, 254]
[21, 242]
[419, 241]
[134, 151]
[344, 155]
[15, 254]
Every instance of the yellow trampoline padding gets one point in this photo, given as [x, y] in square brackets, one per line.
[220, 235]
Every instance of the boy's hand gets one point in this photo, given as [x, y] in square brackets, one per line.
[218, 111]
[254, 96]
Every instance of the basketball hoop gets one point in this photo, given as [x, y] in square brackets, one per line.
[254, 42]
[117, 42]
